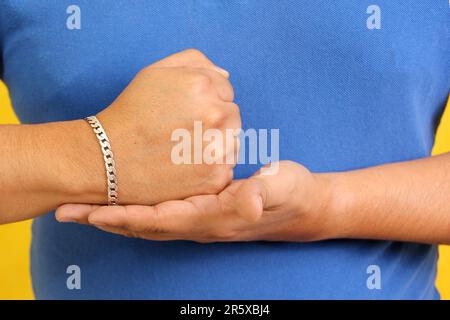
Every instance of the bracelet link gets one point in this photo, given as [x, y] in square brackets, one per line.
[108, 157]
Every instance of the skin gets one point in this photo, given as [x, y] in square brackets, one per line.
[405, 201]
[46, 165]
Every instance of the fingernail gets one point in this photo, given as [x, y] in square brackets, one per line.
[224, 72]
[66, 220]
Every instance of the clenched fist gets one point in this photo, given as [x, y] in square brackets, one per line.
[168, 95]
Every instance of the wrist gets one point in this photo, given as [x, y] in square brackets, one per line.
[339, 199]
[75, 171]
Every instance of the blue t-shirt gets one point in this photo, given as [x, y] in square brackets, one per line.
[348, 84]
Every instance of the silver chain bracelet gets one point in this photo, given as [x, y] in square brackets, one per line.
[108, 156]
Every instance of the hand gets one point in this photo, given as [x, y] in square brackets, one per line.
[165, 96]
[290, 205]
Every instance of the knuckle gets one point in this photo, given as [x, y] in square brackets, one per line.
[228, 92]
[235, 115]
[194, 53]
[290, 163]
[218, 179]
[232, 155]
[223, 180]
[234, 107]
[210, 188]
[121, 222]
[215, 117]
[231, 89]
[155, 226]
[141, 75]
[145, 71]
[147, 74]
[214, 178]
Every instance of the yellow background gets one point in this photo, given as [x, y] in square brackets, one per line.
[15, 238]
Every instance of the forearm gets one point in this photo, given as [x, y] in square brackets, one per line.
[408, 201]
[43, 166]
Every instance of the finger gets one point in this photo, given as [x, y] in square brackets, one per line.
[231, 143]
[78, 213]
[177, 219]
[232, 122]
[222, 85]
[232, 119]
[252, 196]
[166, 218]
[131, 218]
[189, 58]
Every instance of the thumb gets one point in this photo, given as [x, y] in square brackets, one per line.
[251, 197]
[192, 58]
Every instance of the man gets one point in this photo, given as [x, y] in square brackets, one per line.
[356, 105]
